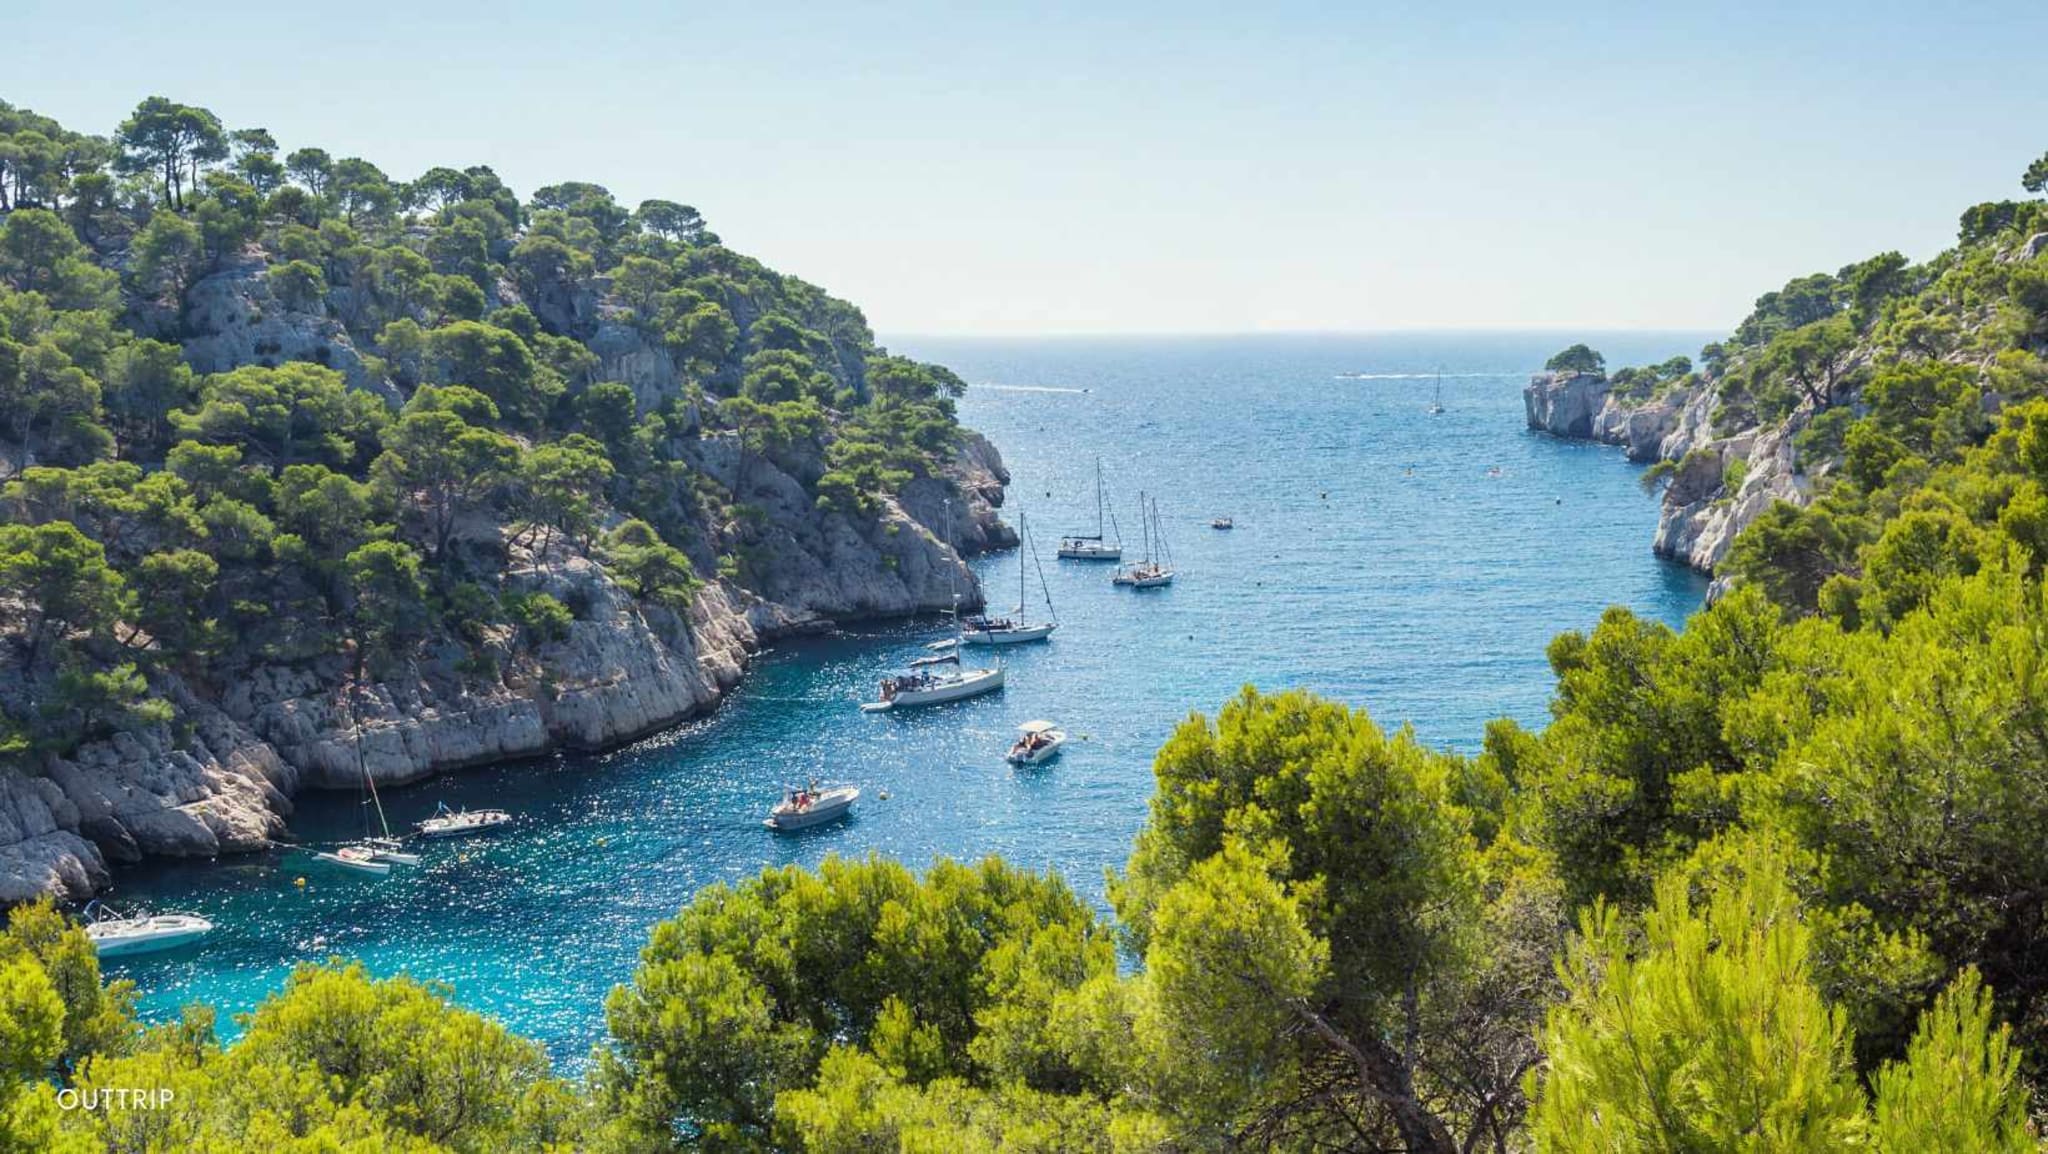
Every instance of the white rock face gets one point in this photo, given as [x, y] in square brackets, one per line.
[1700, 518]
[232, 318]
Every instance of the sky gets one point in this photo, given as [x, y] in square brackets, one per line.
[1166, 168]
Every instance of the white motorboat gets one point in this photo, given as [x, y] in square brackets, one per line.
[1093, 546]
[1154, 571]
[1222, 523]
[354, 857]
[811, 806]
[115, 934]
[1014, 629]
[458, 823]
[1036, 741]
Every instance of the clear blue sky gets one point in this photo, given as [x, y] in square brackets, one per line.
[1158, 168]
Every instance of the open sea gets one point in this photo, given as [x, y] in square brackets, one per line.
[1409, 564]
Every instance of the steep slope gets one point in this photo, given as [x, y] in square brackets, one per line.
[311, 474]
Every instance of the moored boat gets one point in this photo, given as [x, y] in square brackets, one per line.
[811, 806]
[457, 823]
[354, 857]
[1094, 546]
[116, 934]
[1154, 571]
[1013, 629]
[1036, 741]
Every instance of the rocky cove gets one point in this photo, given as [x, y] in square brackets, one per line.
[221, 777]
[1721, 481]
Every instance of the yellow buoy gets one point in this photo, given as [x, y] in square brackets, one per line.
[299, 882]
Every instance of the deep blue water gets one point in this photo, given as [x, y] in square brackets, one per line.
[1375, 560]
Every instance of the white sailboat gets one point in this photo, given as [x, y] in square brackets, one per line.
[929, 682]
[378, 850]
[115, 934]
[1154, 571]
[1015, 629]
[1092, 546]
[1437, 405]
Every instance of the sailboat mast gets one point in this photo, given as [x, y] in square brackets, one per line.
[1023, 535]
[1098, 498]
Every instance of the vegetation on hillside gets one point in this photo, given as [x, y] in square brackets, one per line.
[158, 519]
[1771, 882]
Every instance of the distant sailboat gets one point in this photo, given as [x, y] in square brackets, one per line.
[1154, 571]
[1437, 405]
[1092, 547]
[1015, 629]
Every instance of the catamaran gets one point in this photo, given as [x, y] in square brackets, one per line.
[1091, 546]
[378, 850]
[929, 682]
[1152, 572]
[354, 857]
[811, 806]
[115, 933]
[1036, 741]
[1015, 629]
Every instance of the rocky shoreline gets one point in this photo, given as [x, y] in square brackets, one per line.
[1720, 483]
[220, 778]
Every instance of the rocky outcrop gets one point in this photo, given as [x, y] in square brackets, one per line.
[234, 317]
[1700, 516]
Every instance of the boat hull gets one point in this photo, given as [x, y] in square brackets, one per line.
[359, 865]
[1040, 755]
[437, 828]
[813, 817]
[169, 938]
[1091, 553]
[1147, 581]
[1008, 636]
[973, 685]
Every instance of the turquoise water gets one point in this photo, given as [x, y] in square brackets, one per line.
[1375, 560]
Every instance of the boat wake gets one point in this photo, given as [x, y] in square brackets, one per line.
[1028, 389]
[1415, 376]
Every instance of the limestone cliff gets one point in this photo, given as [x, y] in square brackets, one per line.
[1701, 513]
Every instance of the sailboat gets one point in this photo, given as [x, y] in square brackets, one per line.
[1437, 406]
[378, 850]
[1015, 629]
[929, 682]
[1091, 546]
[1153, 572]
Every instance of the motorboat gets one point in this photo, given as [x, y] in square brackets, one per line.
[116, 934]
[1155, 570]
[811, 806]
[1094, 546]
[1014, 629]
[359, 858]
[459, 823]
[1036, 741]
[1222, 523]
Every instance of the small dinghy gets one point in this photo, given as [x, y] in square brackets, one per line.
[1036, 741]
[460, 823]
[359, 858]
[116, 934]
[811, 806]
